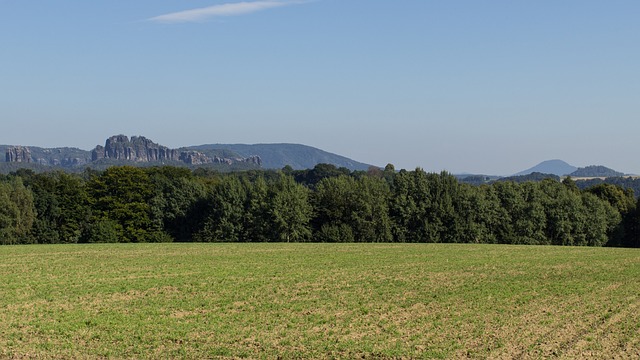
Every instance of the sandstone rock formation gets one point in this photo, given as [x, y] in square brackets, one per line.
[122, 148]
[64, 162]
[256, 160]
[20, 154]
[194, 158]
[141, 149]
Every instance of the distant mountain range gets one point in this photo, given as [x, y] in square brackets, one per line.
[140, 151]
[555, 167]
[277, 156]
[550, 169]
[561, 168]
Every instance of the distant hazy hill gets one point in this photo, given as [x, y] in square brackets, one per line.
[555, 167]
[277, 156]
[140, 151]
[595, 171]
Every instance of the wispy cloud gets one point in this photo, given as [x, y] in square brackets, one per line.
[230, 9]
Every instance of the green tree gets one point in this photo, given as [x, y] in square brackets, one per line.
[511, 201]
[632, 229]
[122, 195]
[290, 210]
[61, 203]
[571, 185]
[361, 206]
[374, 222]
[389, 173]
[225, 212]
[601, 220]
[176, 202]
[623, 200]
[103, 231]
[258, 226]
[423, 207]
[444, 208]
[478, 214]
[406, 216]
[564, 212]
[17, 212]
[311, 177]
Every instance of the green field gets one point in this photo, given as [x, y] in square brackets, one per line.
[318, 301]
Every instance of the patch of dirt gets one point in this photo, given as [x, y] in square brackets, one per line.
[606, 334]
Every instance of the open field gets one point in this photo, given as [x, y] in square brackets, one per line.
[318, 301]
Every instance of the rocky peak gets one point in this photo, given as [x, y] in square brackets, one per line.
[20, 154]
[138, 148]
[141, 149]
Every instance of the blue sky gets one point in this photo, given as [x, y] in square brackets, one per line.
[465, 86]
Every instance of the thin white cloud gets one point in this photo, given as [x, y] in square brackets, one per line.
[230, 9]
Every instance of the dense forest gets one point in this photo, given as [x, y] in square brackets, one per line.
[323, 204]
[625, 182]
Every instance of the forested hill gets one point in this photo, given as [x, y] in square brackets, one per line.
[277, 156]
[596, 171]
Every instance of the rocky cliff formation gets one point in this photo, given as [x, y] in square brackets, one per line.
[64, 157]
[141, 149]
[197, 158]
[120, 148]
[19, 154]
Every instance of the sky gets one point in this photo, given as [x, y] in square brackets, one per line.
[467, 86]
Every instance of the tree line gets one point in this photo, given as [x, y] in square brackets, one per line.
[324, 204]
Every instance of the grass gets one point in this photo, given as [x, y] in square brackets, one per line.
[318, 301]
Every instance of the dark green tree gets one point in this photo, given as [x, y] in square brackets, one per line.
[61, 203]
[423, 207]
[311, 177]
[478, 214]
[17, 212]
[290, 210]
[176, 202]
[408, 219]
[601, 220]
[225, 211]
[623, 200]
[564, 212]
[258, 226]
[122, 195]
[570, 184]
[347, 209]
